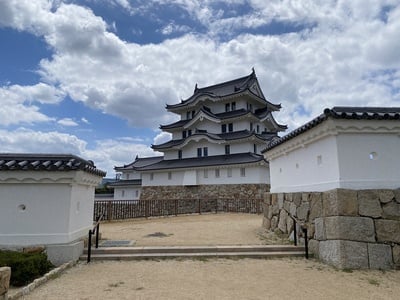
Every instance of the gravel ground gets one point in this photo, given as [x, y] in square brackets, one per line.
[218, 279]
[211, 278]
[190, 230]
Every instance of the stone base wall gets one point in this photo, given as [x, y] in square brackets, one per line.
[347, 228]
[204, 192]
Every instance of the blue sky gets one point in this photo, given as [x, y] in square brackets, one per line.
[92, 77]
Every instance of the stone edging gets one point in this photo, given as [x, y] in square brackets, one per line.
[39, 281]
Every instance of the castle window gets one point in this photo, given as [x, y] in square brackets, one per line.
[233, 105]
[229, 172]
[223, 128]
[216, 173]
[251, 126]
[193, 112]
[169, 175]
[205, 151]
[242, 172]
[255, 148]
[198, 152]
[227, 149]
[184, 134]
[230, 127]
[227, 107]
[151, 176]
[137, 193]
[189, 132]
[258, 128]
[123, 193]
[179, 154]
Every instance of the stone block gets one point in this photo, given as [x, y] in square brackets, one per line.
[289, 224]
[267, 198]
[286, 205]
[274, 222]
[266, 223]
[385, 196]
[380, 256]
[396, 255]
[397, 195]
[293, 209]
[388, 231]
[315, 206]
[313, 247]
[274, 199]
[275, 209]
[369, 204]
[339, 202]
[266, 209]
[289, 197]
[5, 275]
[350, 228]
[302, 211]
[281, 198]
[320, 234]
[391, 210]
[282, 221]
[297, 198]
[344, 254]
[305, 197]
[59, 254]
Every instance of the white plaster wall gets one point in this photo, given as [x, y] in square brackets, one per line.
[128, 194]
[45, 218]
[58, 207]
[359, 171]
[303, 170]
[253, 174]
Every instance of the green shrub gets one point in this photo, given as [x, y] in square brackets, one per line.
[25, 267]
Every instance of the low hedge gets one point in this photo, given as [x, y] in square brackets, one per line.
[25, 267]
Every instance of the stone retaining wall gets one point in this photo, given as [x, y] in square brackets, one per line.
[347, 228]
[5, 274]
[220, 191]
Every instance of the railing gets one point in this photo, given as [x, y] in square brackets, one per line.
[305, 232]
[127, 209]
[94, 230]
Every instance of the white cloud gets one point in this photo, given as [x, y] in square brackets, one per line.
[84, 120]
[67, 122]
[162, 137]
[342, 57]
[17, 103]
[106, 153]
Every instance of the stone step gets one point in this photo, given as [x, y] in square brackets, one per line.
[195, 249]
[162, 252]
[201, 255]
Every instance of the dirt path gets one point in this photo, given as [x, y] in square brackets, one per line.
[218, 279]
[211, 278]
[209, 229]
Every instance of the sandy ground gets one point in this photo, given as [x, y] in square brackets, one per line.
[211, 278]
[218, 279]
[189, 230]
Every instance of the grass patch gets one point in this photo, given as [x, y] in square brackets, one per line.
[25, 267]
[373, 281]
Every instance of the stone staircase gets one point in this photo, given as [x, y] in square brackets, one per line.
[164, 252]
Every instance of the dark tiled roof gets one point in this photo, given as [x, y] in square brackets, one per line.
[126, 183]
[47, 162]
[342, 112]
[228, 136]
[140, 162]
[223, 89]
[231, 159]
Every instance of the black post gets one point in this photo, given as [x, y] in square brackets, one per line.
[306, 241]
[89, 246]
[97, 235]
[295, 232]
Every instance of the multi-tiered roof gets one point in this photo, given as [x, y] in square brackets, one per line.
[244, 88]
